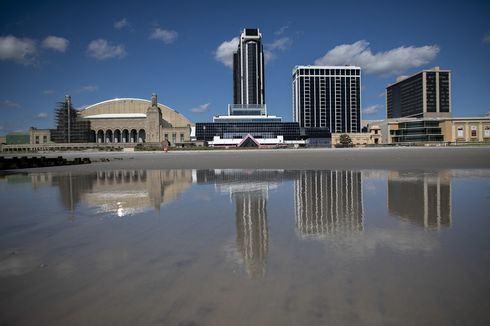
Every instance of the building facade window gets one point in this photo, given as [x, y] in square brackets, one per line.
[473, 131]
[174, 138]
[181, 138]
[37, 139]
[460, 133]
[486, 131]
[45, 139]
[166, 137]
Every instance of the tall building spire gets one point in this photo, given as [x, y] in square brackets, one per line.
[154, 102]
[248, 69]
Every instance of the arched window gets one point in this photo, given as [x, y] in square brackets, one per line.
[141, 136]
[117, 136]
[108, 136]
[133, 136]
[100, 136]
[125, 136]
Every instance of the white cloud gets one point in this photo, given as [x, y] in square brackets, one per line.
[9, 104]
[163, 35]
[201, 108]
[486, 39]
[55, 43]
[122, 24]
[100, 49]
[269, 55]
[372, 109]
[281, 44]
[281, 30]
[21, 50]
[86, 89]
[224, 52]
[41, 116]
[271, 49]
[394, 61]
[48, 92]
[82, 107]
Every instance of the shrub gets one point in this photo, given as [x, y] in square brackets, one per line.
[345, 141]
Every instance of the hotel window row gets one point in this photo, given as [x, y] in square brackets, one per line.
[323, 72]
[322, 100]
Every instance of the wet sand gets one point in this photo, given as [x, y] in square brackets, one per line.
[245, 248]
[315, 159]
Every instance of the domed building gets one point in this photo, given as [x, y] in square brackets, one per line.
[132, 120]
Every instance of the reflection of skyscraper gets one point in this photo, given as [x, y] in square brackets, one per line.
[252, 232]
[421, 198]
[249, 191]
[328, 202]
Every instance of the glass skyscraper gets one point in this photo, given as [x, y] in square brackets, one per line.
[248, 69]
[327, 98]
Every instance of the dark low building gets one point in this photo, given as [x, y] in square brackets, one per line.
[417, 131]
[210, 131]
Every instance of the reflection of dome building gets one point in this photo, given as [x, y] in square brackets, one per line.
[127, 192]
[328, 202]
[421, 198]
[130, 120]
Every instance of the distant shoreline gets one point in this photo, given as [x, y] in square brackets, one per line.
[294, 159]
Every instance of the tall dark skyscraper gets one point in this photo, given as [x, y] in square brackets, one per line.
[426, 94]
[248, 69]
[327, 97]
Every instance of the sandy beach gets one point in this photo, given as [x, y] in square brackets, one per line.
[357, 158]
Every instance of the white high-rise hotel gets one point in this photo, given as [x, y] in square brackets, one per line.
[327, 97]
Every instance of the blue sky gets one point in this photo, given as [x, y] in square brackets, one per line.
[98, 50]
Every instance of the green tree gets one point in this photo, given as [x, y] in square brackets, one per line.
[345, 140]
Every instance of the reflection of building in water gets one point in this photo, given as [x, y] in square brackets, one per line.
[121, 192]
[71, 185]
[421, 198]
[328, 202]
[249, 191]
[127, 192]
[252, 232]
